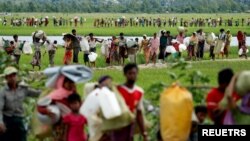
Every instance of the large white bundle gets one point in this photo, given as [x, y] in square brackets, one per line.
[92, 57]
[109, 103]
[186, 41]
[210, 38]
[242, 85]
[40, 34]
[182, 47]
[181, 29]
[241, 51]
[89, 87]
[170, 49]
[45, 119]
[103, 49]
[27, 48]
[84, 44]
[131, 43]
[206, 47]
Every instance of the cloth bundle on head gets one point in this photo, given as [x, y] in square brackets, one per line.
[241, 114]
[242, 85]
[76, 73]
[39, 34]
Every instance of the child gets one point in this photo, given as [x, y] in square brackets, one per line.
[197, 119]
[201, 113]
[52, 51]
[74, 121]
[10, 48]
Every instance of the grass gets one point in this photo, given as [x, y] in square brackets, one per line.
[105, 31]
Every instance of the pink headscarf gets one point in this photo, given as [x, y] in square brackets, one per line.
[59, 93]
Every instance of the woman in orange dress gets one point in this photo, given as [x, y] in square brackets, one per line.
[68, 51]
[146, 48]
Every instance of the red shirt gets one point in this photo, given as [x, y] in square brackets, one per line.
[132, 97]
[176, 46]
[76, 125]
[214, 97]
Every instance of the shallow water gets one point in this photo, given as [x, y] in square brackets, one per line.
[60, 40]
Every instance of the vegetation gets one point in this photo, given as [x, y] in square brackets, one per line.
[125, 6]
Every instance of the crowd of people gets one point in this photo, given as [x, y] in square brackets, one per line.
[169, 22]
[117, 50]
[129, 22]
[43, 21]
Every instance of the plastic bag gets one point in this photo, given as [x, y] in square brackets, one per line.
[27, 48]
[176, 107]
[109, 103]
[84, 44]
[103, 48]
[210, 38]
[92, 57]
[41, 131]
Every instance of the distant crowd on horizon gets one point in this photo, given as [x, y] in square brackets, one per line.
[127, 22]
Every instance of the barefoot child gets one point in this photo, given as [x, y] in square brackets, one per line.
[74, 121]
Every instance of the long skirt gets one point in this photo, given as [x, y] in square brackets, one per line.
[226, 48]
[67, 57]
[219, 47]
[124, 134]
[146, 52]
[122, 51]
[162, 52]
[36, 61]
[192, 49]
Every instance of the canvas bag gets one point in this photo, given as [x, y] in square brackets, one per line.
[126, 118]
[176, 108]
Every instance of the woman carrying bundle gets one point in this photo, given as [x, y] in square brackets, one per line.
[192, 48]
[37, 46]
[146, 49]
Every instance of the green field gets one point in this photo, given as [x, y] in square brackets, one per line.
[129, 31]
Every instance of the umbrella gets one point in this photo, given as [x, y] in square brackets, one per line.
[68, 35]
[76, 73]
[170, 49]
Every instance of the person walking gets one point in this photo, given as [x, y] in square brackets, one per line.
[227, 44]
[76, 47]
[163, 45]
[146, 49]
[133, 97]
[154, 47]
[52, 51]
[201, 43]
[219, 48]
[17, 50]
[37, 56]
